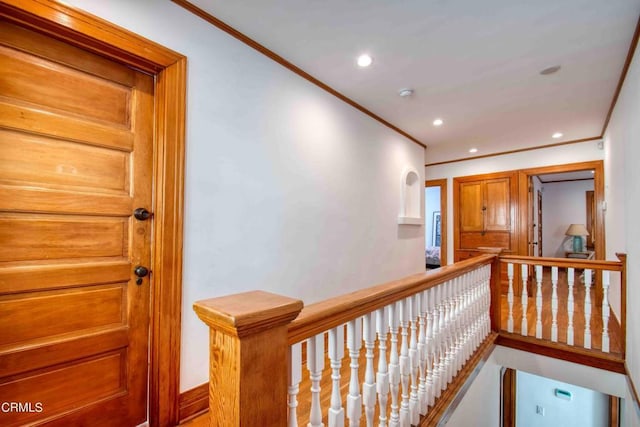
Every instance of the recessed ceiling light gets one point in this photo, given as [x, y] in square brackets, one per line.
[557, 135]
[405, 92]
[550, 70]
[438, 122]
[473, 150]
[364, 60]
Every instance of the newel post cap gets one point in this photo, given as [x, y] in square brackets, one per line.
[247, 313]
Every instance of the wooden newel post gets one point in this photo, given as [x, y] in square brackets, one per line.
[496, 288]
[249, 357]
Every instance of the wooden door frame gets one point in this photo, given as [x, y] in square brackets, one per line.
[96, 35]
[598, 187]
[442, 183]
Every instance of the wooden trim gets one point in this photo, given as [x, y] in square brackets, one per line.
[442, 183]
[566, 180]
[518, 150]
[193, 402]
[614, 411]
[322, 316]
[288, 65]
[509, 397]
[623, 302]
[632, 386]
[598, 187]
[593, 358]
[96, 35]
[450, 398]
[563, 262]
[623, 76]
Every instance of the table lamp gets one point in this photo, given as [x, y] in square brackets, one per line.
[577, 231]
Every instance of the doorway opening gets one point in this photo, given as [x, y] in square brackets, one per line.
[435, 219]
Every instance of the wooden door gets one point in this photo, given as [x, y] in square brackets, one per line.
[498, 204]
[539, 223]
[471, 206]
[76, 135]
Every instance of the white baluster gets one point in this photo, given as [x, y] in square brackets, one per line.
[436, 342]
[524, 327]
[405, 367]
[354, 400]
[554, 304]
[423, 398]
[369, 385]
[539, 301]
[414, 414]
[605, 311]
[315, 365]
[587, 308]
[570, 308]
[394, 365]
[430, 345]
[382, 376]
[510, 297]
[448, 287]
[336, 353]
[295, 376]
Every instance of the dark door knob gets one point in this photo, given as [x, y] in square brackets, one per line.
[142, 214]
[141, 271]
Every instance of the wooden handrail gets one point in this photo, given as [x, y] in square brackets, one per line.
[322, 316]
[563, 262]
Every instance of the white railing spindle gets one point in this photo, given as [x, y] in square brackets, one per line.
[524, 326]
[405, 367]
[295, 376]
[587, 308]
[382, 376]
[336, 353]
[315, 365]
[554, 304]
[570, 308]
[414, 414]
[423, 398]
[394, 365]
[430, 346]
[605, 311]
[510, 297]
[354, 400]
[369, 385]
[539, 301]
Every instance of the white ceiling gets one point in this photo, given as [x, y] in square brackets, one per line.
[566, 176]
[475, 64]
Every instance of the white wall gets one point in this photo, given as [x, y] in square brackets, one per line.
[480, 406]
[431, 205]
[623, 200]
[563, 204]
[538, 405]
[563, 154]
[288, 189]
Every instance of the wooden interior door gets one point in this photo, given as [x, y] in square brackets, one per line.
[471, 206]
[76, 138]
[539, 223]
[497, 202]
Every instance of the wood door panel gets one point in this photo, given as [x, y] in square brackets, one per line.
[42, 46]
[498, 204]
[38, 161]
[43, 277]
[65, 388]
[31, 316]
[43, 237]
[20, 116]
[43, 200]
[68, 90]
[491, 239]
[53, 352]
[77, 141]
[471, 217]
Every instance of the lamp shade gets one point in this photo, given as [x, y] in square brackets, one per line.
[577, 230]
